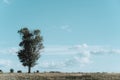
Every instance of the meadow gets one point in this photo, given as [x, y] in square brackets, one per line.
[60, 76]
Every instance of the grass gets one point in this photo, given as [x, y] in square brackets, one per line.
[60, 76]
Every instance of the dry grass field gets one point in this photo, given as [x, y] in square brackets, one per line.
[60, 76]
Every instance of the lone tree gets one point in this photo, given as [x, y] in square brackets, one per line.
[31, 46]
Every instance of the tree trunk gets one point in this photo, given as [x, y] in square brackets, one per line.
[29, 69]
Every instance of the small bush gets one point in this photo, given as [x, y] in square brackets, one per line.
[1, 71]
[37, 71]
[19, 71]
[11, 70]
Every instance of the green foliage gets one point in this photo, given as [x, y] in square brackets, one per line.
[37, 71]
[31, 45]
[19, 71]
[1, 71]
[11, 70]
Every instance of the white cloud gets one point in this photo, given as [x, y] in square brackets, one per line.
[50, 50]
[5, 63]
[81, 55]
[66, 28]
[52, 65]
[6, 1]
[11, 50]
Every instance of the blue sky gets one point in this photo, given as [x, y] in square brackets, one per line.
[79, 35]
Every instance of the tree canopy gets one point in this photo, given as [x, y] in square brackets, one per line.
[31, 46]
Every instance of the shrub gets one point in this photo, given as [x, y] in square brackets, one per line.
[37, 71]
[11, 70]
[1, 71]
[19, 71]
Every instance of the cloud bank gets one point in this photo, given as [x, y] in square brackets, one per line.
[11, 50]
[62, 57]
[81, 55]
